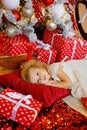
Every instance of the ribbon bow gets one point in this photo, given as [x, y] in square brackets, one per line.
[43, 45]
[46, 47]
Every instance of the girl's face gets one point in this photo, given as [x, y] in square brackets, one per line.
[38, 75]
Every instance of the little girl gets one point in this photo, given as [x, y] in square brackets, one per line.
[70, 74]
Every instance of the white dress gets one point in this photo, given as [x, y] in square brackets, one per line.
[77, 72]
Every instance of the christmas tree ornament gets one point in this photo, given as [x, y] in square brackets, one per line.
[11, 31]
[10, 4]
[33, 20]
[50, 25]
[27, 12]
[2, 26]
[61, 17]
[9, 16]
[46, 2]
[17, 14]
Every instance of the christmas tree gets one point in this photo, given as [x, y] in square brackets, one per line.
[31, 17]
[21, 16]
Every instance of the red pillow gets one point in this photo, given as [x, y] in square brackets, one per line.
[46, 94]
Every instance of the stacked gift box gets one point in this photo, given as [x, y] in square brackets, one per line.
[13, 46]
[67, 48]
[44, 52]
[20, 44]
[54, 47]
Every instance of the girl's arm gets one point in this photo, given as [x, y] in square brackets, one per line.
[65, 80]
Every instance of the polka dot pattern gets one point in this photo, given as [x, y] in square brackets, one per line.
[47, 56]
[64, 46]
[24, 116]
[15, 45]
[47, 36]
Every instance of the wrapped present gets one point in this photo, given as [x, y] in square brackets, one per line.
[16, 45]
[69, 48]
[18, 107]
[45, 53]
[48, 34]
[1, 47]
[1, 50]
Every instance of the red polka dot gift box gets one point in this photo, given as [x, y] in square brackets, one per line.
[18, 107]
[44, 52]
[13, 46]
[48, 34]
[69, 48]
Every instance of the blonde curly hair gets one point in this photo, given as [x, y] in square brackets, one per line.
[28, 64]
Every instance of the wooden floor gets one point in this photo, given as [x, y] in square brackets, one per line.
[5, 71]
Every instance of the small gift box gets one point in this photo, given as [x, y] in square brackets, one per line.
[18, 107]
[16, 45]
[45, 53]
[69, 48]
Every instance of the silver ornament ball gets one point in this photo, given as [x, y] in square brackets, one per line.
[27, 12]
[11, 31]
[50, 25]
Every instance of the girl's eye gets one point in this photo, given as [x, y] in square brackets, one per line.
[37, 73]
[37, 77]
[37, 81]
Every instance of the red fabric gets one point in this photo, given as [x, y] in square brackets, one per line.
[18, 107]
[46, 94]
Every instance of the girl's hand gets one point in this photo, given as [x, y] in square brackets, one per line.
[59, 84]
[46, 82]
[51, 82]
[43, 81]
